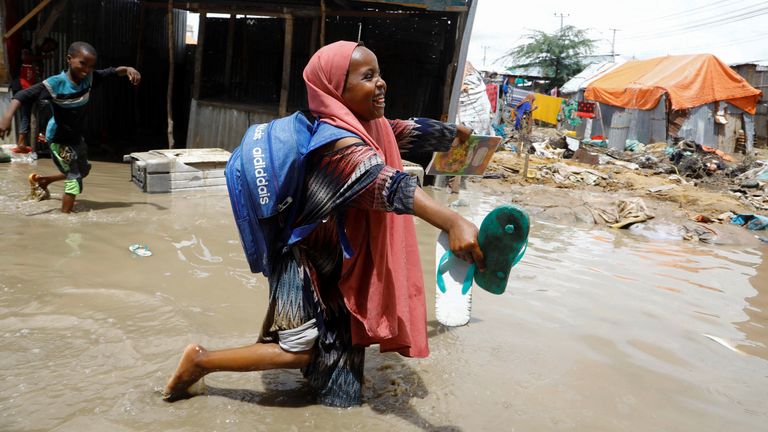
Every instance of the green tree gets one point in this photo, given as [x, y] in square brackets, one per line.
[558, 54]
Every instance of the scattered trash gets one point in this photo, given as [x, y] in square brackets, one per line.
[584, 156]
[627, 212]
[677, 178]
[634, 146]
[140, 250]
[753, 222]
[573, 143]
[703, 219]
[661, 188]
[461, 202]
[605, 159]
[724, 343]
[698, 232]
[562, 173]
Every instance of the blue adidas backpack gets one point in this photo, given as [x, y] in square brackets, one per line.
[265, 181]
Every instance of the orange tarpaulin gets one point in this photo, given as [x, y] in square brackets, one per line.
[688, 80]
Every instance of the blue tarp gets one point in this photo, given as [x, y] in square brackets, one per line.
[753, 222]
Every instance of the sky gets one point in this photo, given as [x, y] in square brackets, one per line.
[736, 31]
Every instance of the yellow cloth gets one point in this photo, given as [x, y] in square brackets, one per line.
[549, 106]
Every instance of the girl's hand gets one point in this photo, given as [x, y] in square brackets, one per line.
[463, 133]
[462, 235]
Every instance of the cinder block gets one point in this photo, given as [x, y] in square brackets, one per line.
[167, 170]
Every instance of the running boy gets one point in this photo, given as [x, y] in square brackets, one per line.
[69, 93]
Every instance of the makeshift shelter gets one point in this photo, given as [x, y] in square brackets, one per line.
[250, 55]
[592, 72]
[757, 76]
[696, 97]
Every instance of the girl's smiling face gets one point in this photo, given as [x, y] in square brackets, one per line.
[364, 90]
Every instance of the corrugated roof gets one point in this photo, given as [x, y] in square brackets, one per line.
[589, 74]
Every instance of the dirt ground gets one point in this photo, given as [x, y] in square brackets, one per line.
[702, 204]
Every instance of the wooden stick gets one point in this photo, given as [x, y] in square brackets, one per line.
[198, 79]
[285, 84]
[169, 98]
[24, 20]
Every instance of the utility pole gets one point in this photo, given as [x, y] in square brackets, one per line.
[485, 53]
[561, 15]
[613, 43]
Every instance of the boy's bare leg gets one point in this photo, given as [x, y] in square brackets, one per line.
[44, 181]
[39, 185]
[196, 362]
[67, 202]
[22, 144]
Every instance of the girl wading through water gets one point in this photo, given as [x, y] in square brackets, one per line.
[324, 309]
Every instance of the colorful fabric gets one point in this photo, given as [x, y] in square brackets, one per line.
[420, 134]
[548, 107]
[567, 112]
[72, 161]
[382, 284]
[493, 95]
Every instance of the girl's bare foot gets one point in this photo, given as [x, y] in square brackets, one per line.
[187, 373]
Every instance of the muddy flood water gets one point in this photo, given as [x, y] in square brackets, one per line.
[599, 329]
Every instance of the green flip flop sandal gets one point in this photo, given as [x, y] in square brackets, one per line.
[503, 238]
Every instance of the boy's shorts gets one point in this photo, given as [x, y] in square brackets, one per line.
[72, 161]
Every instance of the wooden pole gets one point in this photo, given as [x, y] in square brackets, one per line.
[313, 36]
[28, 17]
[44, 28]
[463, 43]
[230, 45]
[169, 97]
[322, 23]
[285, 84]
[139, 57]
[464, 30]
[199, 56]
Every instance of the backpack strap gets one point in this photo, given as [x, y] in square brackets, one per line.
[346, 247]
[322, 134]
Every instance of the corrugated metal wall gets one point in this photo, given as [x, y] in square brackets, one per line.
[122, 118]
[757, 76]
[222, 126]
[414, 54]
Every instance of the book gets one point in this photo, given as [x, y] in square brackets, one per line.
[468, 159]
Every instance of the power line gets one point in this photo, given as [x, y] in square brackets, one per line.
[688, 12]
[696, 26]
[730, 16]
[752, 38]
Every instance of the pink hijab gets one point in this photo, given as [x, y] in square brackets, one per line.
[382, 284]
